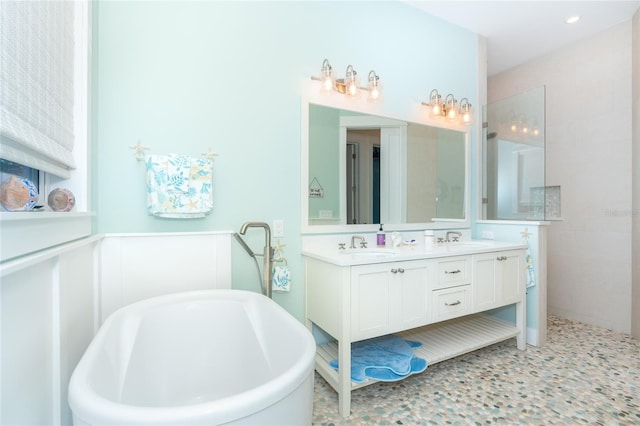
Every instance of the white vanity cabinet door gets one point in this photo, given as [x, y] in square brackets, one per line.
[388, 297]
[498, 278]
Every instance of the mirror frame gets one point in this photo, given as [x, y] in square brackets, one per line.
[338, 101]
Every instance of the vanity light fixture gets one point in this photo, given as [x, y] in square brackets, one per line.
[351, 82]
[350, 85]
[465, 111]
[326, 76]
[373, 86]
[450, 108]
[434, 104]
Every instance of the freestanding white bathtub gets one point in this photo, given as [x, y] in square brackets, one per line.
[207, 357]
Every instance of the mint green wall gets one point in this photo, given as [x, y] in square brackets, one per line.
[186, 76]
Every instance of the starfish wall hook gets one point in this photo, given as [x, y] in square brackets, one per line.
[139, 150]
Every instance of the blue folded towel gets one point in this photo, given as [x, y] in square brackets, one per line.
[386, 358]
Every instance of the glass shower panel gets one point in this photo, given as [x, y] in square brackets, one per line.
[514, 158]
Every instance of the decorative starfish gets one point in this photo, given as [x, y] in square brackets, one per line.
[139, 150]
[210, 155]
[525, 234]
[278, 248]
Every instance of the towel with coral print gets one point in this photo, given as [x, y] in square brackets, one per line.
[179, 186]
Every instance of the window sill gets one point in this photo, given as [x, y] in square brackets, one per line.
[28, 232]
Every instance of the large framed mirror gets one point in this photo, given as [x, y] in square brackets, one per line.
[361, 169]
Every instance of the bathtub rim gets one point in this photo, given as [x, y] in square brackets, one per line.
[86, 403]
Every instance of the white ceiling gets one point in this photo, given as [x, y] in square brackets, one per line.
[518, 31]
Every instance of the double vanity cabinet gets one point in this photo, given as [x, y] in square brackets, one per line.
[434, 296]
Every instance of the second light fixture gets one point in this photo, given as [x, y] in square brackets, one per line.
[449, 108]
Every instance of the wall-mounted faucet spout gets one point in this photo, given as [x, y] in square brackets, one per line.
[267, 255]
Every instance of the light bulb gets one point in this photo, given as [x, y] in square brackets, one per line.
[351, 82]
[435, 104]
[374, 94]
[451, 107]
[327, 84]
[465, 111]
[327, 76]
[352, 88]
[373, 86]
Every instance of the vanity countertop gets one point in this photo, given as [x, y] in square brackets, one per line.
[370, 255]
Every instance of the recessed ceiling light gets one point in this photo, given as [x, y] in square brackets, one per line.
[572, 20]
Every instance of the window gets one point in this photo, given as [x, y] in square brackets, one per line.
[9, 169]
[43, 115]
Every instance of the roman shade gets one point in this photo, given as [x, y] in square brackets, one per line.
[36, 84]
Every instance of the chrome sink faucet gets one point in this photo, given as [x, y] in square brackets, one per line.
[456, 236]
[363, 243]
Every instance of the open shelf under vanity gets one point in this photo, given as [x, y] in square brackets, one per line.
[440, 341]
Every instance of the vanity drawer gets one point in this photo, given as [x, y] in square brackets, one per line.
[451, 302]
[452, 272]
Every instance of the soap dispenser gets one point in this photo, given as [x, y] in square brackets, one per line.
[381, 238]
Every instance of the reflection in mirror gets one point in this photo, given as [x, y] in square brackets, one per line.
[364, 169]
[513, 157]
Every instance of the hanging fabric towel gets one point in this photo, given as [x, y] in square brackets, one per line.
[178, 172]
[179, 186]
[531, 278]
[281, 278]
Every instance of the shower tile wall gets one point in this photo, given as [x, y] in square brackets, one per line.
[588, 153]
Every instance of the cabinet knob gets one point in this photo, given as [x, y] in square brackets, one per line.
[401, 270]
[457, 302]
[394, 271]
[500, 258]
[457, 271]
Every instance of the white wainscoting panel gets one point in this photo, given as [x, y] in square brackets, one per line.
[138, 266]
[47, 322]
[53, 301]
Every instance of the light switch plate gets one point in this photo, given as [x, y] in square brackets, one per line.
[278, 228]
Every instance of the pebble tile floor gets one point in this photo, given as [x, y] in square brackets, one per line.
[584, 375]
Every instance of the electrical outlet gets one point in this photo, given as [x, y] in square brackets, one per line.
[278, 228]
[487, 235]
